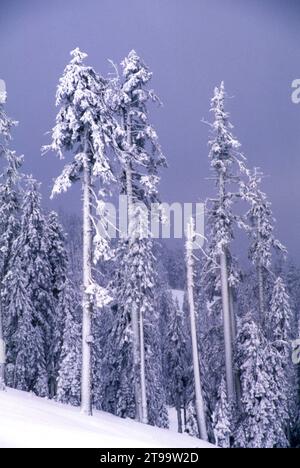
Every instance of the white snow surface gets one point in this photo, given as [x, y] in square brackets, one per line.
[31, 422]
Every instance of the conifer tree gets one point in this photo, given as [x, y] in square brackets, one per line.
[177, 361]
[84, 127]
[278, 327]
[221, 418]
[69, 382]
[140, 157]
[219, 272]
[30, 250]
[58, 260]
[25, 344]
[9, 207]
[260, 225]
[262, 425]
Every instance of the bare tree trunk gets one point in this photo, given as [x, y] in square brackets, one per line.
[87, 305]
[232, 316]
[2, 352]
[200, 410]
[134, 312]
[261, 294]
[227, 324]
[238, 389]
[143, 373]
[179, 416]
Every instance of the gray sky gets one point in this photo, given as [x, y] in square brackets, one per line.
[190, 45]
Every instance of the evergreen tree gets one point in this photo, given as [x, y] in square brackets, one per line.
[134, 288]
[279, 315]
[84, 127]
[25, 344]
[140, 157]
[58, 260]
[68, 382]
[31, 249]
[9, 213]
[260, 225]
[262, 425]
[219, 272]
[222, 419]
[278, 326]
[177, 362]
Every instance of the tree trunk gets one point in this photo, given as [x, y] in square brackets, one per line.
[232, 317]
[261, 297]
[227, 321]
[2, 352]
[185, 416]
[227, 324]
[238, 389]
[179, 415]
[200, 410]
[87, 305]
[143, 373]
[134, 312]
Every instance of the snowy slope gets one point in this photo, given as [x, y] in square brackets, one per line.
[31, 422]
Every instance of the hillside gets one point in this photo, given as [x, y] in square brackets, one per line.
[31, 422]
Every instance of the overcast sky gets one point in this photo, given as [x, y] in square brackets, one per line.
[190, 45]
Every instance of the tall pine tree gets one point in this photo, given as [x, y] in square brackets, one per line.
[9, 213]
[84, 127]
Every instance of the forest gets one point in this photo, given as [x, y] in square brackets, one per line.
[134, 326]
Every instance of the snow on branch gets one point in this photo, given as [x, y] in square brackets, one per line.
[99, 294]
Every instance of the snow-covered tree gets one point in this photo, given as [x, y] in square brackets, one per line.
[134, 286]
[25, 345]
[177, 361]
[260, 226]
[9, 207]
[58, 260]
[140, 156]
[69, 382]
[84, 128]
[30, 252]
[219, 272]
[279, 315]
[262, 424]
[278, 326]
[222, 418]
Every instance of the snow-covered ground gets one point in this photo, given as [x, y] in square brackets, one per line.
[30, 422]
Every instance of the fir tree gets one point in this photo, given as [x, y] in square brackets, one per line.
[31, 249]
[58, 260]
[278, 326]
[84, 127]
[222, 418]
[9, 213]
[68, 382]
[23, 352]
[177, 362]
[262, 425]
[140, 157]
[219, 272]
[260, 225]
